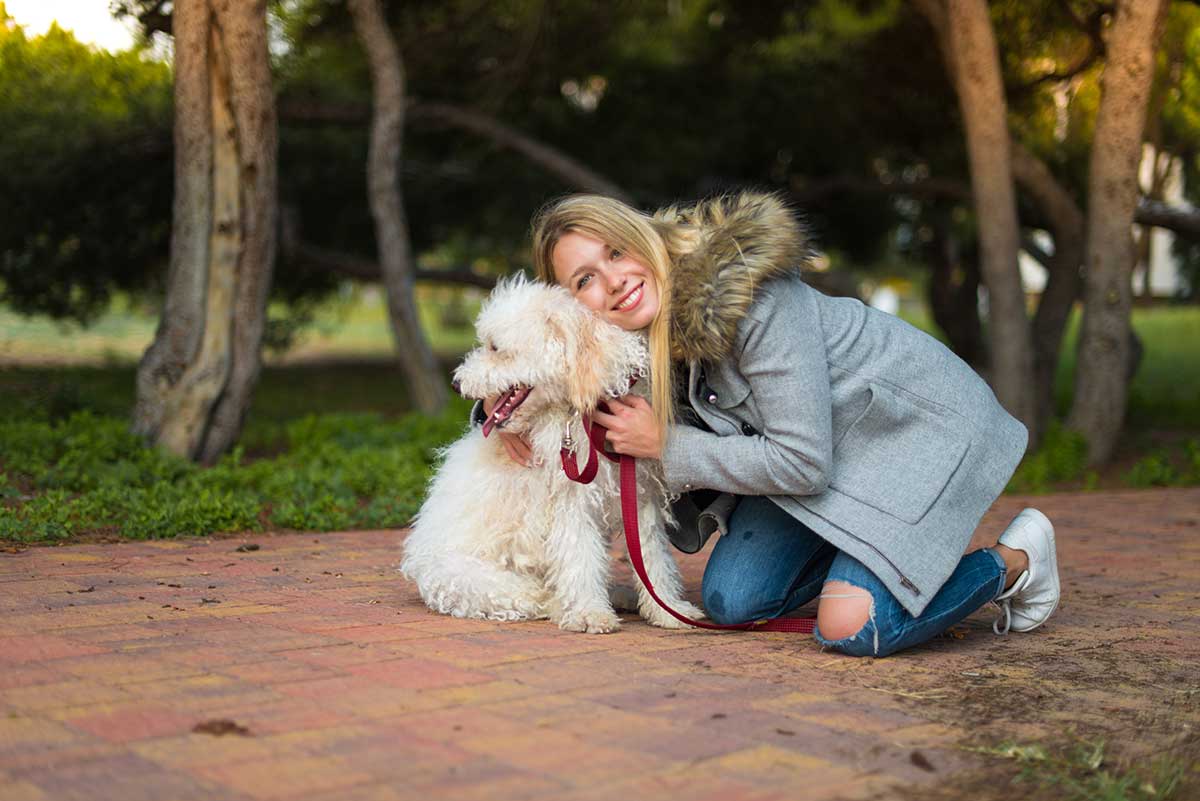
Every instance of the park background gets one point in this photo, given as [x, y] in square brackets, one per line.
[241, 246]
[961, 197]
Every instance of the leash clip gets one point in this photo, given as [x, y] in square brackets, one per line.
[568, 442]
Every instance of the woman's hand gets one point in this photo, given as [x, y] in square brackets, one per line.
[518, 447]
[632, 427]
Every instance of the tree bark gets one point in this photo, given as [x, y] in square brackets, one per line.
[195, 380]
[1063, 279]
[1101, 375]
[426, 387]
[969, 47]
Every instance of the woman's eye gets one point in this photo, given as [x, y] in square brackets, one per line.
[583, 280]
[615, 254]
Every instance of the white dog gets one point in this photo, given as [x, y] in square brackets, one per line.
[498, 540]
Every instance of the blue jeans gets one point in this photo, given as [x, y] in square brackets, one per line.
[769, 563]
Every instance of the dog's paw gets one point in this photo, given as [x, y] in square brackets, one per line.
[663, 619]
[599, 621]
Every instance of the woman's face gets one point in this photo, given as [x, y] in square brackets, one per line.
[617, 286]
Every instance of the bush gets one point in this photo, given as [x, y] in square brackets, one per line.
[336, 471]
[1062, 456]
[1163, 469]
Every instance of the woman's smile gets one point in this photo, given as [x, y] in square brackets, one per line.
[631, 300]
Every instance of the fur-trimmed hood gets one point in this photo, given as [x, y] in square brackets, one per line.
[729, 245]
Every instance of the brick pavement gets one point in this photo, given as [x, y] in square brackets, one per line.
[347, 689]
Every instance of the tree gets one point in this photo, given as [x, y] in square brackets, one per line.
[195, 381]
[84, 172]
[965, 33]
[1101, 383]
[426, 386]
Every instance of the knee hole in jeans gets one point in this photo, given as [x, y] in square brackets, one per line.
[838, 621]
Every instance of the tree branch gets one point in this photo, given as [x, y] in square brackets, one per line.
[295, 251]
[568, 169]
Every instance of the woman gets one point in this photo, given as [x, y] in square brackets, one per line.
[861, 452]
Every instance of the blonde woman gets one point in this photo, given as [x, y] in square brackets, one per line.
[857, 453]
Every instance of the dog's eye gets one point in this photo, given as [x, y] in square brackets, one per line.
[492, 347]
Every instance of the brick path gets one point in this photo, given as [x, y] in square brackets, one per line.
[347, 689]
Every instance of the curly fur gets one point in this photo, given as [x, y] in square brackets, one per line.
[500, 541]
[723, 248]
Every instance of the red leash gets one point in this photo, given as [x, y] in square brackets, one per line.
[633, 539]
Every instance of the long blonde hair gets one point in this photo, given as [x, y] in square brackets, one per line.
[629, 230]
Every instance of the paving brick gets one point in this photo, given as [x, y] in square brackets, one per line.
[352, 690]
[135, 722]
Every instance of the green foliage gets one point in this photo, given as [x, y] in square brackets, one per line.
[1165, 468]
[87, 151]
[1083, 771]
[1062, 456]
[87, 474]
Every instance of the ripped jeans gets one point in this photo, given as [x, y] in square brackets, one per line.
[769, 563]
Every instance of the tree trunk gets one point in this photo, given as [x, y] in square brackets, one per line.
[1101, 375]
[1063, 280]
[973, 62]
[196, 379]
[427, 389]
[954, 294]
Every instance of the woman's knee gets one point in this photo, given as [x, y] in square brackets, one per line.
[730, 602]
[842, 618]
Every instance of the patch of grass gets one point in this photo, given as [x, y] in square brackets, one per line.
[353, 322]
[1082, 771]
[1165, 392]
[86, 474]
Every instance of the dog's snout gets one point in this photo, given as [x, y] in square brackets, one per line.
[454, 382]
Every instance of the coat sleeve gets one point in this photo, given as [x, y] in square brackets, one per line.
[780, 352]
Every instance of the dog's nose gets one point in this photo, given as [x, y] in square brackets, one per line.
[457, 386]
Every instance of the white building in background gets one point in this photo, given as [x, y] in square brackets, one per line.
[1159, 274]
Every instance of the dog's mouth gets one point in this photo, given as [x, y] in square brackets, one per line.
[505, 406]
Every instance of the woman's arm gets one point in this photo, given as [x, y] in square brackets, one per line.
[780, 351]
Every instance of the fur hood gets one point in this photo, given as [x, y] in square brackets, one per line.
[728, 246]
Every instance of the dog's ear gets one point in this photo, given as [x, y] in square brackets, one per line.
[595, 360]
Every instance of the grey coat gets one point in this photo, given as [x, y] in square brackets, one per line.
[865, 429]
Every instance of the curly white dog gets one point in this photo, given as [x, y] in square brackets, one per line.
[501, 541]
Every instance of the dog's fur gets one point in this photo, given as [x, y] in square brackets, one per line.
[501, 541]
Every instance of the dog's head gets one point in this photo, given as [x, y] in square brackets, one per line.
[540, 348]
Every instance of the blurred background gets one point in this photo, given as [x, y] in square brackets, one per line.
[242, 244]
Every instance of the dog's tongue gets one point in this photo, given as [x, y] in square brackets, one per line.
[505, 405]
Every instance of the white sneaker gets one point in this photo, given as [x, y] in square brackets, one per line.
[1033, 597]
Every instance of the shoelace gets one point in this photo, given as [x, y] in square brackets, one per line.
[1004, 602]
[1006, 609]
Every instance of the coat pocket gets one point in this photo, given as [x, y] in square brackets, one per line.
[897, 457]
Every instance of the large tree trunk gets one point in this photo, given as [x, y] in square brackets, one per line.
[1101, 375]
[972, 59]
[196, 379]
[426, 387]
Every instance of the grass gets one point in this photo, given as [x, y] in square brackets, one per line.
[352, 324]
[1083, 771]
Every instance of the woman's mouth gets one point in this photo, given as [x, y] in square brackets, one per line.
[631, 300]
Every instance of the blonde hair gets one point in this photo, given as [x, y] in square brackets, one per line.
[622, 227]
